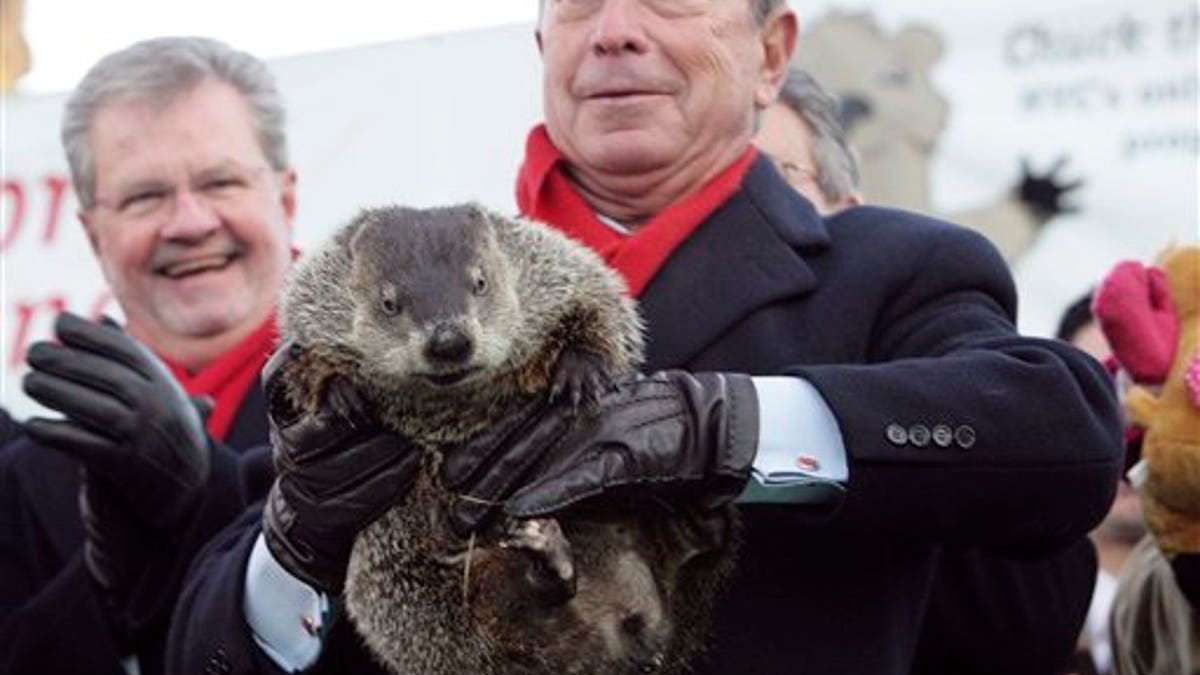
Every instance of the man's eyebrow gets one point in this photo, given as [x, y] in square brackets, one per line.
[224, 169]
[138, 185]
[224, 166]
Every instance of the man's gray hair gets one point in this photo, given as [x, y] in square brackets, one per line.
[837, 167]
[761, 8]
[157, 71]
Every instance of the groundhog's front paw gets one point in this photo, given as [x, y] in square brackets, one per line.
[551, 572]
[580, 378]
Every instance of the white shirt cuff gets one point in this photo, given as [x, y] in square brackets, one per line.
[285, 614]
[801, 456]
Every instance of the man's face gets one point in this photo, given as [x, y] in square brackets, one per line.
[191, 226]
[788, 139]
[634, 86]
[785, 136]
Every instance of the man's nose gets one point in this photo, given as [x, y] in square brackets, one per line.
[619, 28]
[191, 217]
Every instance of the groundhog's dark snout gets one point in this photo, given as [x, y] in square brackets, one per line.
[649, 664]
[645, 655]
[449, 345]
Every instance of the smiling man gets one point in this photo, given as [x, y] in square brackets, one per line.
[190, 220]
[178, 155]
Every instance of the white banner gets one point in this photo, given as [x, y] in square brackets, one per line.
[1109, 85]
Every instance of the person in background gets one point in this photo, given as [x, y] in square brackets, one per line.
[179, 158]
[1120, 530]
[856, 381]
[801, 134]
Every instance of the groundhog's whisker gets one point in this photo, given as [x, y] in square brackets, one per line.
[478, 500]
[466, 585]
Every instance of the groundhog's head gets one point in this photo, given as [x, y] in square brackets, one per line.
[435, 295]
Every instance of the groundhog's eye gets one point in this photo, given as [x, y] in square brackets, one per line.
[481, 284]
[895, 76]
[389, 306]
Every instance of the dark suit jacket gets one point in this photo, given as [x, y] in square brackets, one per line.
[993, 615]
[900, 322]
[51, 617]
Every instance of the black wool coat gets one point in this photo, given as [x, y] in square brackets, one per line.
[51, 614]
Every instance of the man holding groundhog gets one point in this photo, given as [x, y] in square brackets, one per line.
[866, 395]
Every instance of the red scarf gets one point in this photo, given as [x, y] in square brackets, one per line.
[228, 379]
[545, 193]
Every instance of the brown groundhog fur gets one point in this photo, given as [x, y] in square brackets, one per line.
[450, 320]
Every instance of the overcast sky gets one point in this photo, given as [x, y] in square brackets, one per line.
[68, 36]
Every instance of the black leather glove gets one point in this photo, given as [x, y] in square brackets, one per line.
[337, 471]
[143, 449]
[693, 436]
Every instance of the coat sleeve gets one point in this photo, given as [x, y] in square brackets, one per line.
[992, 615]
[61, 628]
[52, 617]
[961, 431]
[209, 632]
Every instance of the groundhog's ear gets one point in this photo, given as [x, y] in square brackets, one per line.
[921, 44]
[362, 236]
[480, 217]
[476, 213]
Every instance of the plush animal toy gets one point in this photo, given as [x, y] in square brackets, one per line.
[1152, 318]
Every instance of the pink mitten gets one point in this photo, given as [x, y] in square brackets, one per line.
[1133, 306]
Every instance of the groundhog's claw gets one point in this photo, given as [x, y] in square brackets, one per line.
[551, 574]
[580, 379]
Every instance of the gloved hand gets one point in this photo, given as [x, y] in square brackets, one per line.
[141, 443]
[693, 436]
[1133, 306]
[337, 471]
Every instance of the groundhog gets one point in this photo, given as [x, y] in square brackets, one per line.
[450, 321]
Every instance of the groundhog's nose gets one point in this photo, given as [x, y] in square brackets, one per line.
[645, 654]
[650, 664]
[448, 344]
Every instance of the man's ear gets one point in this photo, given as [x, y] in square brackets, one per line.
[849, 201]
[779, 33]
[287, 195]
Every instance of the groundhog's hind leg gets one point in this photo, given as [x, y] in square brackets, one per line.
[550, 574]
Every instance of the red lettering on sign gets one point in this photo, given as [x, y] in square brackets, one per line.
[59, 187]
[27, 312]
[14, 199]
